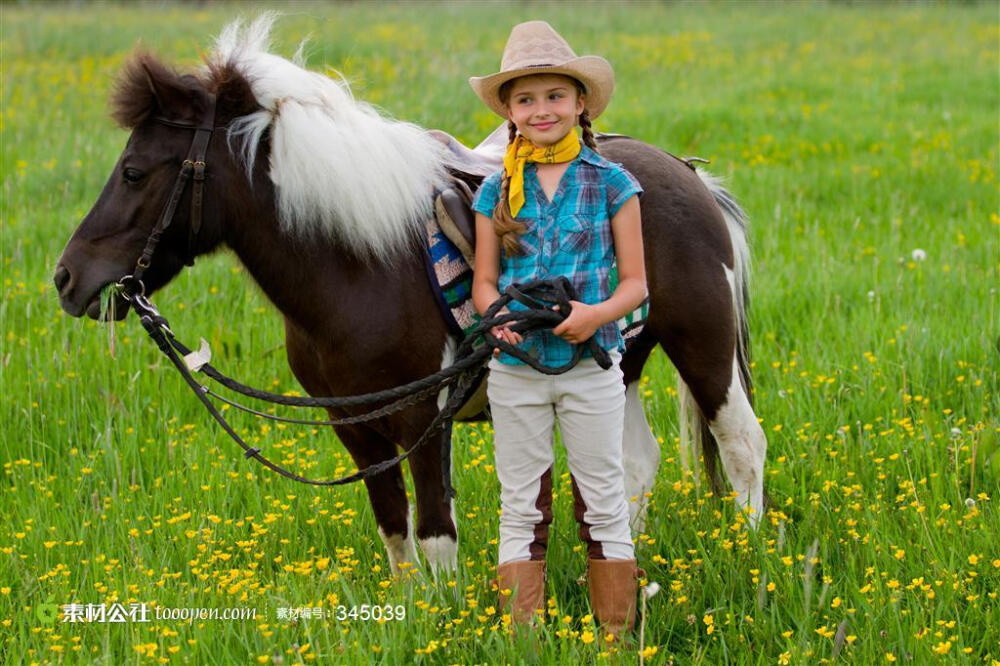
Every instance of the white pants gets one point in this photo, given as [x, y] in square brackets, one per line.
[590, 405]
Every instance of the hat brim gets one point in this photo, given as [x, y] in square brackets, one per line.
[594, 72]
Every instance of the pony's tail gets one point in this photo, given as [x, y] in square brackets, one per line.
[695, 435]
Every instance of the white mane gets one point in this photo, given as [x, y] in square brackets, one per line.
[338, 166]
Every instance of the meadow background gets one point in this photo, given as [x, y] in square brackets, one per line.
[862, 140]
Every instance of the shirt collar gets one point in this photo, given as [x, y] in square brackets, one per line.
[590, 157]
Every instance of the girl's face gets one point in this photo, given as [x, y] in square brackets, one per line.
[545, 107]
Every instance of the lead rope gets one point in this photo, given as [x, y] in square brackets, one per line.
[460, 377]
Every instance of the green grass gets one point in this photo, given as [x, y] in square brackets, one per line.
[852, 134]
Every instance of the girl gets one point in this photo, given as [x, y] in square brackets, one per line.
[559, 209]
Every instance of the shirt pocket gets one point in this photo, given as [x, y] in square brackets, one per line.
[576, 234]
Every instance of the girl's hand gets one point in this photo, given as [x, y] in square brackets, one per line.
[504, 333]
[581, 323]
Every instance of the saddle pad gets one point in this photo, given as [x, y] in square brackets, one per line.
[451, 281]
[630, 325]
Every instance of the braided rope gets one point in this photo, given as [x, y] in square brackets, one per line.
[460, 377]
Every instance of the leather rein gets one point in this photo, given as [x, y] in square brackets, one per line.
[133, 290]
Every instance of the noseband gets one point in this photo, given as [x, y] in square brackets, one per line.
[192, 167]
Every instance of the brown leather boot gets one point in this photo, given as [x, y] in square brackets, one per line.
[526, 581]
[614, 586]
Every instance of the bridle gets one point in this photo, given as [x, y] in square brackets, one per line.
[192, 168]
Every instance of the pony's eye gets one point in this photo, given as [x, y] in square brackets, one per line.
[133, 175]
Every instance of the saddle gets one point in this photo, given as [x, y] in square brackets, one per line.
[468, 167]
[453, 208]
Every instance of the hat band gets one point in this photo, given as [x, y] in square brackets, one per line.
[540, 66]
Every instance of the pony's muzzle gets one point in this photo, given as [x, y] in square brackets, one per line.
[61, 278]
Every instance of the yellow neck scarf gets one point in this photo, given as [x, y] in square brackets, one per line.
[521, 151]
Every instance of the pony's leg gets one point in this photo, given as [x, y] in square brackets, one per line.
[697, 327]
[437, 529]
[742, 446]
[386, 492]
[708, 366]
[640, 450]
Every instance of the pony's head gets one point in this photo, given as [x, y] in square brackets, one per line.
[162, 109]
[291, 148]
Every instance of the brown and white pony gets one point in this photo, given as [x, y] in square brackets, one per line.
[322, 199]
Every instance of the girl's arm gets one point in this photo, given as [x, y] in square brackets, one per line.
[486, 273]
[626, 227]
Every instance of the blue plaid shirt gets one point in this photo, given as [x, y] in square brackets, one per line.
[568, 236]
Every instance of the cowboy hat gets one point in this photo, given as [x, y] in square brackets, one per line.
[536, 48]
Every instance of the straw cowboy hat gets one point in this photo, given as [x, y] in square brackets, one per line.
[535, 48]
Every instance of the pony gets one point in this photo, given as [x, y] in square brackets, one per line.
[323, 199]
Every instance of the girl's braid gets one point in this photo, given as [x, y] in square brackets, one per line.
[504, 224]
[588, 134]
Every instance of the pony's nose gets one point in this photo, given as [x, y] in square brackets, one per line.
[61, 277]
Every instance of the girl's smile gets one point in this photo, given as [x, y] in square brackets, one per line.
[544, 107]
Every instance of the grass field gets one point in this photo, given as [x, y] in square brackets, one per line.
[862, 140]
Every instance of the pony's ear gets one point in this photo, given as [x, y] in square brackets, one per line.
[177, 98]
[233, 93]
[147, 87]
